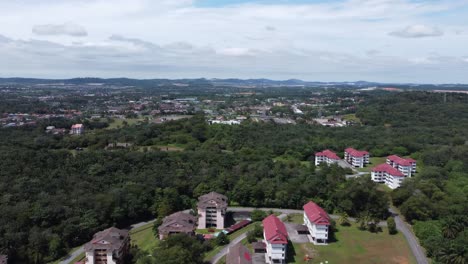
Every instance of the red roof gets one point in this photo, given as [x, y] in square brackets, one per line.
[328, 153]
[316, 214]
[275, 230]
[388, 169]
[356, 153]
[401, 161]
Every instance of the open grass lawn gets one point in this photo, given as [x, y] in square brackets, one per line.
[374, 161]
[351, 117]
[144, 238]
[118, 123]
[356, 246]
[295, 218]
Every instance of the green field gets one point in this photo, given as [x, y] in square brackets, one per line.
[374, 161]
[356, 246]
[118, 123]
[295, 218]
[144, 238]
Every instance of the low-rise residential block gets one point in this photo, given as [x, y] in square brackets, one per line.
[357, 158]
[212, 210]
[177, 223]
[276, 239]
[108, 247]
[326, 156]
[407, 166]
[317, 222]
[385, 173]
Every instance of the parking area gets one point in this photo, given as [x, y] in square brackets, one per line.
[258, 258]
[293, 232]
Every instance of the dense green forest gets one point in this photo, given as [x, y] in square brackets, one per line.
[53, 197]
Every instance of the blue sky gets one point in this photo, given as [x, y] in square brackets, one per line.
[340, 40]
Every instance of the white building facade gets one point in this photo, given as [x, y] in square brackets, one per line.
[275, 236]
[317, 222]
[327, 156]
[390, 176]
[212, 209]
[357, 158]
[407, 166]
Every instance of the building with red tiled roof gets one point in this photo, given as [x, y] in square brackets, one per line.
[406, 166]
[276, 239]
[108, 247]
[77, 129]
[326, 156]
[317, 222]
[385, 173]
[238, 254]
[357, 158]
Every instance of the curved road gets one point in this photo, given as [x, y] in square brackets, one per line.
[418, 251]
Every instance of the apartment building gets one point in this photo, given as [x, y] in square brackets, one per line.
[317, 222]
[407, 166]
[212, 210]
[276, 239]
[357, 158]
[387, 174]
[326, 156]
[77, 129]
[108, 247]
[177, 223]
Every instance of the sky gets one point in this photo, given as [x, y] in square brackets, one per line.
[398, 41]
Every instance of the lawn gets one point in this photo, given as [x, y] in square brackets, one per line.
[118, 123]
[144, 238]
[356, 246]
[295, 218]
[374, 161]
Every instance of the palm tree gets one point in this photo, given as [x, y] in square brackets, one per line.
[451, 228]
[344, 219]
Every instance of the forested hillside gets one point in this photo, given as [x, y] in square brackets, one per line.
[53, 197]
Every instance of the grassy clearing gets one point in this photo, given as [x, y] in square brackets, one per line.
[119, 123]
[356, 246]
[374, 161]
[351, 117]
[144, 238]
[295, 218]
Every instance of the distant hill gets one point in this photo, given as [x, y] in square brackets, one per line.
[228, 82]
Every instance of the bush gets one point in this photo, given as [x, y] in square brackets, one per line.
[258, 215]
[222, 239]
[391, 226]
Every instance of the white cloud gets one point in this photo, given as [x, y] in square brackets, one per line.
[236, 52]
[343, 39]
[417, 31]
[70, 29]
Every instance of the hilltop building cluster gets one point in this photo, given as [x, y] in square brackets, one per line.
[394, 171]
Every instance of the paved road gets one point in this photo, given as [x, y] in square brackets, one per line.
[417, 250]
[236, 240]
[72, 256]
[80, 250]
